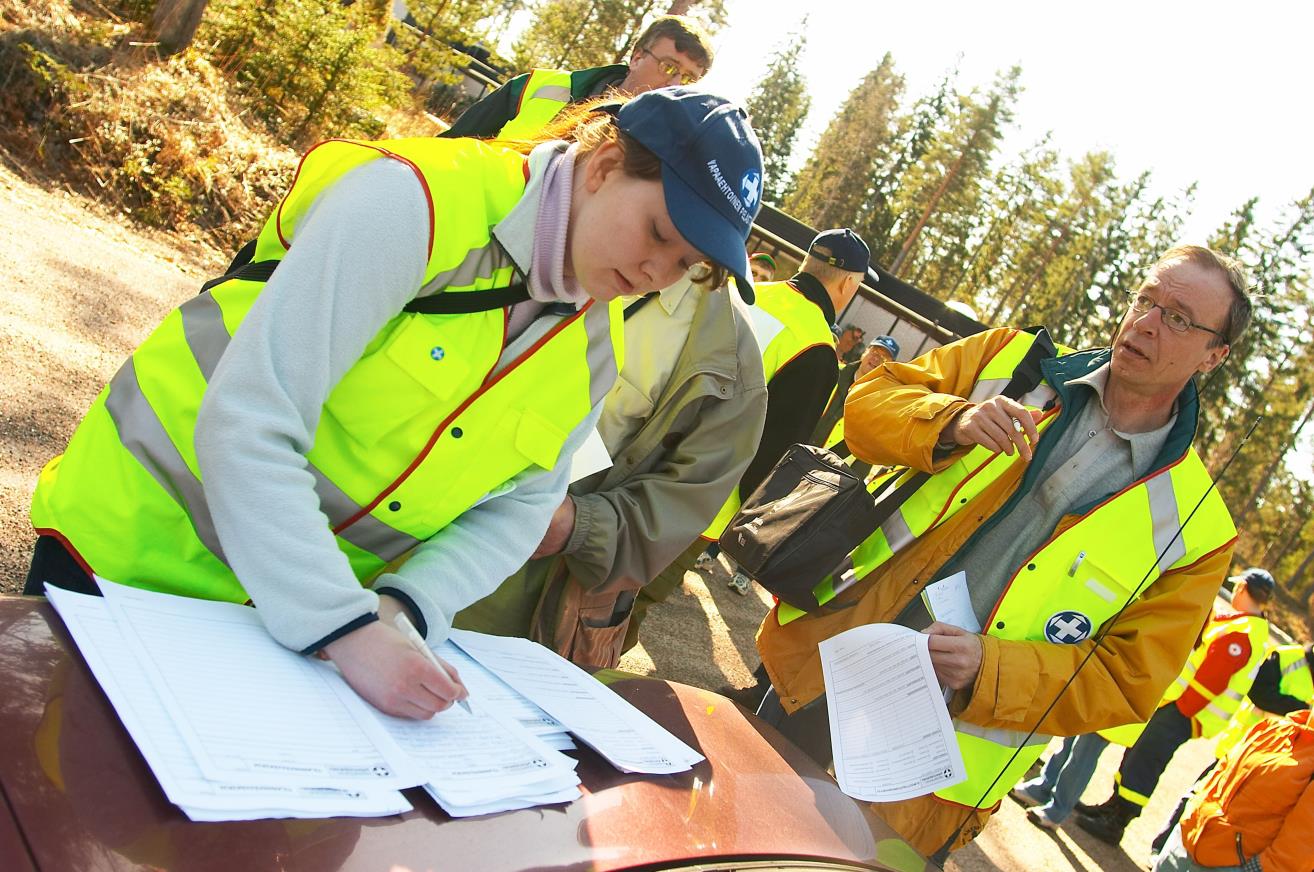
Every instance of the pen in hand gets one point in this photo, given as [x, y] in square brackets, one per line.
[412, 635]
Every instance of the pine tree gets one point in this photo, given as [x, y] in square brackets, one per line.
[832, 188]
[1019, 195]
[915, 132]
[777, 107]
[175, 23]
[939, 198]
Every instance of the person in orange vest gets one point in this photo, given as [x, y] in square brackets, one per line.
[1282, 685]
[1256, 810]
[1200, 703]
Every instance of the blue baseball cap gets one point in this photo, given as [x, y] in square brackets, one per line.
[886, 342]
[847, 250]
[1259, 581]
[711, 169]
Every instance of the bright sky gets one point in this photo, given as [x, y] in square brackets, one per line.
[1200, 91]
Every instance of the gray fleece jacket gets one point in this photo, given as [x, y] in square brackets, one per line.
[358, 258]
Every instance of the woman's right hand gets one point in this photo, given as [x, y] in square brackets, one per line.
[390, 674]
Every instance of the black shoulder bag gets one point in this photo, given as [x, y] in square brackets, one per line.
[812, 510]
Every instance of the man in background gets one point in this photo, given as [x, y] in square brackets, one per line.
[762, 266]
[830, 429]
[848, 343]
[673, 50]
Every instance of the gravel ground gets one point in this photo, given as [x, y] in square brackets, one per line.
[84, 287]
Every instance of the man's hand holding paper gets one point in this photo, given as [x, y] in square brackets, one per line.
[955, 654]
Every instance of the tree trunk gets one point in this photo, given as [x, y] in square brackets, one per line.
[1296, 533]
[908, 243]
[585, 21]
[1261, 486]
[175, 23]
[1295, 583]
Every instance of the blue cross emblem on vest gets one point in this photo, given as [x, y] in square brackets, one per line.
[1067, 628]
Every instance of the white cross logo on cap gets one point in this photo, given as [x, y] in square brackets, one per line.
[751, 188]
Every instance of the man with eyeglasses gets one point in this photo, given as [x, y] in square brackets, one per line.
[673, 50]
[1064, 485]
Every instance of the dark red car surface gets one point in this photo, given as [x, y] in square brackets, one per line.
[76, 795]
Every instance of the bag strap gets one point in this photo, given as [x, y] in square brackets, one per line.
[463, 303]
[1026, 377]
[466, 302]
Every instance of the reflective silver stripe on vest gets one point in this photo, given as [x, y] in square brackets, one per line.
[559, 93]
[479, 263]
[843, 576]
[367, 533]
[987, 388]
[1293, 668]
[765, 326]
[1168, 541]
[601, 355]
[1040, 397]
[1003, 738]
[1232, 694]
[207, 336]
[897, 533]
[144, 437]
[1217, 712]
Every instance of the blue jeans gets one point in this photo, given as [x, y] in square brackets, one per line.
[1066, 774]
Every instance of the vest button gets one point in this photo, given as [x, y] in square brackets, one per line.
[1031, 566]
[457, 432]
[394, 506]
[999, 625]
[962, 500]
[437, 352]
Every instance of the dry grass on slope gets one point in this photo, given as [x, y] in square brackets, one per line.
[86, 103]
[159, 140]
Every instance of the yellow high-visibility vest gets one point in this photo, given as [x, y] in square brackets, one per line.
[546, 93]
[412, 436]
[1295, 680]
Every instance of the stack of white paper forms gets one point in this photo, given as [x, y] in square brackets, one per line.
[236, 727]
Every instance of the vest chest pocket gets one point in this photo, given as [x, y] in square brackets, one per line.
[461, 474]
[419, 369]
[1097, 590]
[539, 440]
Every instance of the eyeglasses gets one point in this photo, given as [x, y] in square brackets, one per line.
[1175, 320]
[671, 69]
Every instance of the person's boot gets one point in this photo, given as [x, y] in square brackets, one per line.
[1108, 821]
[1101, 808]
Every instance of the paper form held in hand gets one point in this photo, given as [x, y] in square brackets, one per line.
[889, 728]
